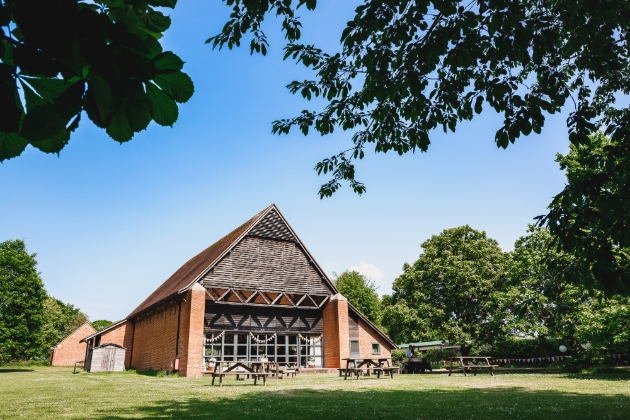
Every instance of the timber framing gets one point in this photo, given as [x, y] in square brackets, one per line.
[266, 298]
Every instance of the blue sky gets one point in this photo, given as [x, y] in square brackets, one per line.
[111, 222]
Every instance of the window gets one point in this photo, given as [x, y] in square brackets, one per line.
[282, 348]
[376, 348]
[355, 351]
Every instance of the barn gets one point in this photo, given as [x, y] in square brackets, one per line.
[72, 348]
[255, 292]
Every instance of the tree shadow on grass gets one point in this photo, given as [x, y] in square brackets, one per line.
[366, 403]
[601, 375]
[9, 370]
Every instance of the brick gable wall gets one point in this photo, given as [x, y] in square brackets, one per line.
[123, 336]
[70, 349]
[367, 336]
[155, 339]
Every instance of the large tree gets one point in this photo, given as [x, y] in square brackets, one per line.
[60, 58]
[452, 291]
[361, 292]
[21, 302]
[541, 300]
[538, 300]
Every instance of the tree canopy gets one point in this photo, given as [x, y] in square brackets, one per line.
[589, 218]
[408, 67]
[451, 292]
[361, 292]
[59, 58]
[60, 320]
[101, 324]
[22, 296]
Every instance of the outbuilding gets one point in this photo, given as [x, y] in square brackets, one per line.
[72, 349]
[108, 357]
[255, 292]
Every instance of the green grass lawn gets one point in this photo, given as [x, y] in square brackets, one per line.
[37, 392]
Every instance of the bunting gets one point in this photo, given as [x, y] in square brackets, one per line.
[531, 359]
[616, 356]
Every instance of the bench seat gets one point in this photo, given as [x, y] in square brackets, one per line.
[256, 375]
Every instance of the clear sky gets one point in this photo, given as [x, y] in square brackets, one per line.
[111, 222]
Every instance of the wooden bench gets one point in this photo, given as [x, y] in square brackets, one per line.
[387, 371]
[471, 364]
[280, 370]
[256, 376]
[78, 363]
[356, 372]
[475, 368]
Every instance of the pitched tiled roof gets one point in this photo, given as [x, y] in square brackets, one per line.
[190, 271]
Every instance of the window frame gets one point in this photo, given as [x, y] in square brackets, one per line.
[379, 347]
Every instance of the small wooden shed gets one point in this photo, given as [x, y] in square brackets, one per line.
[108, 357]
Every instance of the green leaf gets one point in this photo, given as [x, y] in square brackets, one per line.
[32, 98]
[177, 84]
[99, 89]
[41, 123]
[139, 111]
[168, 61]
[48, 89]
[53, 144]
[119, 128]
[11, 145]
[478, 104]
[165, 111]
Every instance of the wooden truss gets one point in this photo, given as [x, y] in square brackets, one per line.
[266, 298]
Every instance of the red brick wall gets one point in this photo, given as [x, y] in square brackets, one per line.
[121, 335]
[154, 344]
[336, 334]
[191, 334]
[70, 349]
[154, 338]
[367, 336]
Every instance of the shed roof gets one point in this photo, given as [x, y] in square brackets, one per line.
[110, 345]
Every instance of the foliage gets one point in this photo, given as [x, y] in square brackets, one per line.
[606, 326]
[437, 355]
[398, 355]
[361, 292]
[539, 302]
[408, 67]
[21, 302]
[514, 347]
[60, 320]
[101, 324]
[451, 292]
[589, 218]
[59, 58]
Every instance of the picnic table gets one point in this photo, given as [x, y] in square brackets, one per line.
[471, 363]
[280, 369]
[380, 365]
[255, 369]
